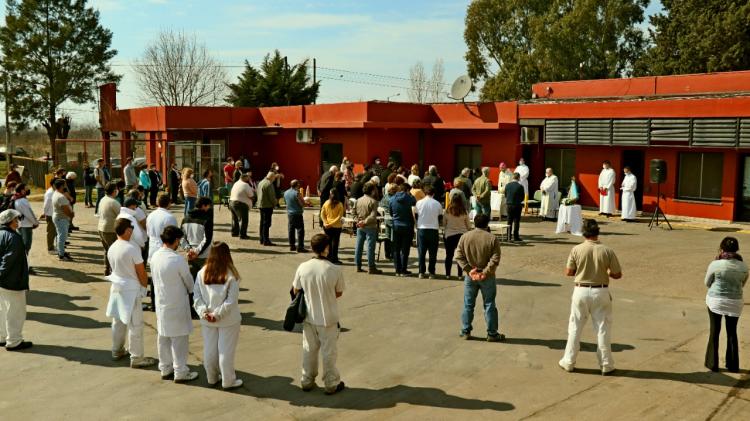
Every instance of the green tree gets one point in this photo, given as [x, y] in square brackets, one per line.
[513, 44]
[697, 36]
[274, 83]
[54, 51]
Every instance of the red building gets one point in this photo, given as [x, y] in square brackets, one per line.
[698, 124]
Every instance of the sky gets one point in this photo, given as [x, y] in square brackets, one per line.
[364, 49]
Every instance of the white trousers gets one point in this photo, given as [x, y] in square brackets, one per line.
[596, 302]
[173, 355]
[12, 316]
[219, 346]
[323, 340]
[133, 330]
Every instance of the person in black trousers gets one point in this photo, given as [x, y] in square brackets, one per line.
[514, 196]
[174, 183]
[155, 178]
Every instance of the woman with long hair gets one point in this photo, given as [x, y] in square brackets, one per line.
[456, 221]
[725, 278]
[189, 189]
[216, 300]
[331, 213]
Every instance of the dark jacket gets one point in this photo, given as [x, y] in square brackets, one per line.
[401, 212]
[324, 186]
[155, 179]
[356, 190]
[71, 185]
[88, 177]
[14, 268]
[174, 178]
[340, 188]
[514, 193]
[438, 186]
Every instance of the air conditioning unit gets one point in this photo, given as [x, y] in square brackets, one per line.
[305, 136]
[529, 135]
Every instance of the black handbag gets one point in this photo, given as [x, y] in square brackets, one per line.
[296, 312]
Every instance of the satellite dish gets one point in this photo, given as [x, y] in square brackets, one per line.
[461, 87]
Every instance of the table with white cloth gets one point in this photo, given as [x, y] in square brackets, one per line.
[495, 203]
[569, 219]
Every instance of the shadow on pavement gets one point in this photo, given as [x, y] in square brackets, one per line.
[68, 275]
[520, 283]
[696, 377]
[560, 344]
[249, 319]
[56, 300]
[67, 320]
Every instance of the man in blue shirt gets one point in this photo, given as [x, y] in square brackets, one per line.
[295, 211]
[403, 227]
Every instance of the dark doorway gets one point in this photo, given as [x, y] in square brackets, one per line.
[743, 210]
[634, 160]
[468, 156]
[330, 154]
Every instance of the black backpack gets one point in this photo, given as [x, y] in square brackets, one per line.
[7, 203]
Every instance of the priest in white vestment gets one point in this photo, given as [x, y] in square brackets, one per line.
[628, 198]
[523, 171]
[506, 176]
[550, 199]
[606, 189]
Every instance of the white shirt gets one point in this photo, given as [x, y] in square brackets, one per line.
[24, 208]
[321, 280]
[47, 209]
[155, 224]
[59, 202]
[220, 300]
[428, 212]
[123, 256]
[138, 238]
[172, 284]
[412, 178]
[242, 192]
[630, 183]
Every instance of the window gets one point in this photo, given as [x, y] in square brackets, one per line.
[563, 163]
[700, 176]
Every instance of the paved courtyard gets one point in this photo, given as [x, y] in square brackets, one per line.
[399, 351]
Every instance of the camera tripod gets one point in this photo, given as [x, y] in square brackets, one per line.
[655, 217]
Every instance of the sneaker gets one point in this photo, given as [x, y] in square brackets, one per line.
[332, 391]
[118, 355]
[65, 258]
[568, 368]
[216, 383]
[292, 248]
[308, 387]
[422, 276]
[244, 237]
[237, 383]
[407, 273]
[608, 371]
[20, 346]
[465, 336]
[169, 376]
[143, 362]
[496, 338]
[303, 250]
[431, 276]
[375, 271]
[360, 270]
[190, 377]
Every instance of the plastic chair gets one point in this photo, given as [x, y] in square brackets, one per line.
[536, 202]
[223, 197]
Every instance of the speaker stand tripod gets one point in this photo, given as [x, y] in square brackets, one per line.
[655, 217]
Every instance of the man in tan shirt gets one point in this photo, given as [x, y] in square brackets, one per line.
[592, 264]
[478, 253]
[366, 214]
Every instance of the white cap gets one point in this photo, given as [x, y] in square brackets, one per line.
[7, 216]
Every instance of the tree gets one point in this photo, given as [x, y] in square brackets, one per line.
[274, 83]
[697, 36]
[178, 70]
[515, 43]
[424, 89]
[54, 51]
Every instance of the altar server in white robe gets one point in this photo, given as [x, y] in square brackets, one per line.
[606, 189]
[173, 284]
[505, 177]
[129, 282]
[628, 197]
[523, 171]
[550, 198]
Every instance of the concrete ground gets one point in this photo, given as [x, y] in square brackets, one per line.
[399, 351]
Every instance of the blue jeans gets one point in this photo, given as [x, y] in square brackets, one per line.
[402, 237]
[482, 208]
[372, 236]
[297, 225]
[26, 236]
[88, 198]
[190, 204]
[489, 291]
[62, 225]
[99, 196]
[427, 242]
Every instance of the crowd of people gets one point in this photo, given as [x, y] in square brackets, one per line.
[193, 276]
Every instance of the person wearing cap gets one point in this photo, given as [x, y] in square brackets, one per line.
[593, 264]
[266, 203]
[62, 216]
[295, 210]
[13, 175]
[128, 280]
[14, 282]
[28, 221]
[240, 202]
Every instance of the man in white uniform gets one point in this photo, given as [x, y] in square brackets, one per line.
[173, 284]
[128, 279]
[506, 176]
[628, 197]
[523, 171]
[323, 283]
[157, 221]
[550, 199]
[606, 189]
